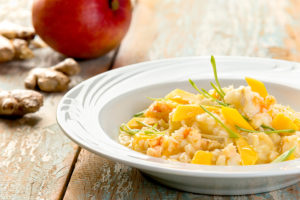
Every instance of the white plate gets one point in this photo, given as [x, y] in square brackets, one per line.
[90, 114]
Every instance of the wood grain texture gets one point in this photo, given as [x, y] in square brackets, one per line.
[98, 178]
[35, 155]
[172, 28]
[291, 48]
[163, 29]
[16, 11]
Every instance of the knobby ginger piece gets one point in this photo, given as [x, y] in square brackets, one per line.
[7, 50]
[19, 102]
[37, 43]
[22, 50]
[53, 79]
[12, 31]
[69, 67]
[14, 42]
[47, 80]
[16, 48]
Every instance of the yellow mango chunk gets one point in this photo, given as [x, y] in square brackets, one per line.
[297, 123]
[202, 158]
[248, 154]
[234, 118]
[283, 122]
[291, 157]
[181, 96]
[257, 86]
[184, 112]
[135, 125]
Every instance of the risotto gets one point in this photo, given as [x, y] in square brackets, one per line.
[222, 126]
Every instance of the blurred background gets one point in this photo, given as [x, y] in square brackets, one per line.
[173, 28]
[16, 11]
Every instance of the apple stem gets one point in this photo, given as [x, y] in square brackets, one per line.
[114, 4]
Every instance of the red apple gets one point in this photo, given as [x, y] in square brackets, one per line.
[82, 28]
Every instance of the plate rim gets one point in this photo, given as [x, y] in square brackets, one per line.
[184, 172]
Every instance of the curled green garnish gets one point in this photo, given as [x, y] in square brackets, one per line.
[139, 114]
[148, 126]
[232, 134]
[267, 132]
[284, 156]
[213, 63]
[150, 131]
[128, 130]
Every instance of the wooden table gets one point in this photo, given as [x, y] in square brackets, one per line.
[37, 161]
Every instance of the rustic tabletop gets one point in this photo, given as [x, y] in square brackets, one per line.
[37, 161]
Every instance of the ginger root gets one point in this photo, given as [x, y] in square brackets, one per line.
[22, 50]
[17, 48]
[7, 50]
[13, 31]
[69, 67]
[14, 42]
[19, 102]
[53, 79]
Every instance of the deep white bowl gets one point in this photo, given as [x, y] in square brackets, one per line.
[91, 113]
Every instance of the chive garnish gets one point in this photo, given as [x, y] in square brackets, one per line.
[213, 63]
[247, 130]
[267, 127]
[217, 90]
[206, 94]
[232, 134]
[267, 132]
[246, 118]
[284, 156]
[144, 124]
[196, 88]
[213, 98]
[139, 114]
[152, 129]
[147, 125]
[281, 131]
[128, 130]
